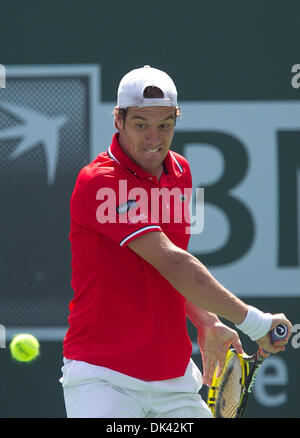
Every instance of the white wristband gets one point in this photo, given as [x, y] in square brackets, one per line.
[256, 324]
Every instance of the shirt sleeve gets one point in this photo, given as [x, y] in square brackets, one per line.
[115, 208]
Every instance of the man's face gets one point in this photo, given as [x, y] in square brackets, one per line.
[146, 136]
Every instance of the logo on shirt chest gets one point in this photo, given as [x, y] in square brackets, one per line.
[126, 206]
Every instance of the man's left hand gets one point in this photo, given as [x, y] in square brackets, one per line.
[214, 342]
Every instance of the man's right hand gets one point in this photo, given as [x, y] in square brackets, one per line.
[265, 342]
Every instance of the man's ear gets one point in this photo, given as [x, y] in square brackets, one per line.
[118, 120]
[119, 123]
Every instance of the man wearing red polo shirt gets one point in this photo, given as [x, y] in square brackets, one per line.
[127, 352]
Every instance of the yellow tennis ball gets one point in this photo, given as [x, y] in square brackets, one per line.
[24, 347]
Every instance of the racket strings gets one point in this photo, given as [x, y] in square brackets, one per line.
[230, 389]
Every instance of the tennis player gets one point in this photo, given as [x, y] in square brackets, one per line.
[127, 352]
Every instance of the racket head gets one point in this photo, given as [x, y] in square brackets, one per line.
[226, 392]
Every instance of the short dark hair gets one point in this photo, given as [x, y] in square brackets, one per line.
[152, 92]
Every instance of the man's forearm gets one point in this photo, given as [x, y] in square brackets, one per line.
[191, 278]
[201, 318]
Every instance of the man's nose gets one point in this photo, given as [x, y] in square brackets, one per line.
[153, 136]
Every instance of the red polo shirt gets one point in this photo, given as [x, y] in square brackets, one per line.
[124, 315]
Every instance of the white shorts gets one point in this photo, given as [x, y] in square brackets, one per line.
[92, 391]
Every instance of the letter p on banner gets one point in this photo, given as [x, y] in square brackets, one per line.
[2, 76]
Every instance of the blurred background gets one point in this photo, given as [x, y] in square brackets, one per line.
[236, 68]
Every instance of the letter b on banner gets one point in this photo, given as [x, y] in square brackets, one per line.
[218, 193]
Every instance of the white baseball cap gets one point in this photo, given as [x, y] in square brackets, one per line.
[133, 84]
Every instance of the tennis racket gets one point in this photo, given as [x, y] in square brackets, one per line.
[229, 393]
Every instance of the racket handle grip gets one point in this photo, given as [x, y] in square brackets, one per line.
[279, 333]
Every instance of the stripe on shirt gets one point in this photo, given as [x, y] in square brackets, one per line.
[136, 233]
[111, 155]
[176, 161]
